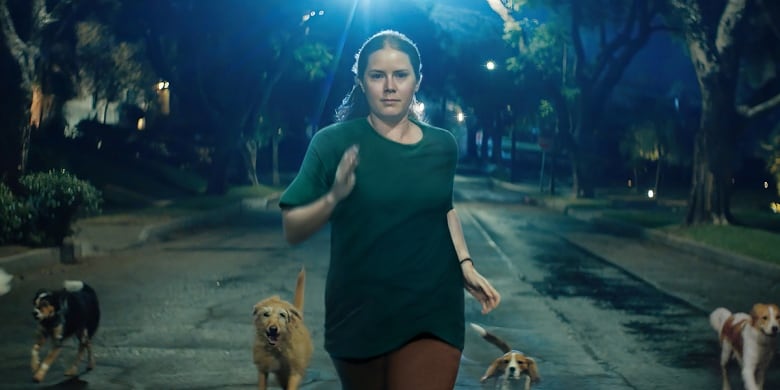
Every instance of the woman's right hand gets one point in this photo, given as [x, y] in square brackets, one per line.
[345, 174]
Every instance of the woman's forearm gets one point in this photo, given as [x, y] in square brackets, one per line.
[456, 233]
[302, 222]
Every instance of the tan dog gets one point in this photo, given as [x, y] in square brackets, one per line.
[750, 339]
[512, 365]
[282, 342]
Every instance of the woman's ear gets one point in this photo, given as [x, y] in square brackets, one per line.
[417, 87]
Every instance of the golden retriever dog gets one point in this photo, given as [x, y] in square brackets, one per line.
[282, 342]
[512, 365]
[750, 339]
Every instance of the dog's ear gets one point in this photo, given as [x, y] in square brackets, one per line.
[533, 370]
[38, 294]
[294, 313]
[491, 370]
[756, 312]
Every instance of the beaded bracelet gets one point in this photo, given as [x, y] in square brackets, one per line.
[466, 259]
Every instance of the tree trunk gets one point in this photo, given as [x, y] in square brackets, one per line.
[713, 158]
[217, 184]
[496, 136]
[636, 179]
[249, 153]
[33, 111]
[275, 162]
[514, 171]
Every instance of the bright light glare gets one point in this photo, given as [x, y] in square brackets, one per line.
[650, 194]
[766, 185]
[490, 65]
[461, 117]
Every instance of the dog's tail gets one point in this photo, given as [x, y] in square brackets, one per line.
[5, 282]
[299, 287]
[73, 285]
[718, 317]
[491, 338]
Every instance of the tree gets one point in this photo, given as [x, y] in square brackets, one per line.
[224, 61]
[36, 33]
[585, 48]
[29, 56]
[651, 140]
[715, 32]
[108, 68]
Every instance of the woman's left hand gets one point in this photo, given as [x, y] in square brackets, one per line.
[479, 287]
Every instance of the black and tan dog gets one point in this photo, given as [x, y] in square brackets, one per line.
[512, 365]
[282, 342]
[71, 311]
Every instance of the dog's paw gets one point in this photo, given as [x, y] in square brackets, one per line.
[71, 372]
[34, 366]
[38, 377]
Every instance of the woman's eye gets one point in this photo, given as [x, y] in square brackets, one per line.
[375, 76]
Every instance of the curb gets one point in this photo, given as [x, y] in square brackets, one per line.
[719, 256]
[19, 263]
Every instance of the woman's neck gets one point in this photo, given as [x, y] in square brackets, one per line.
[402, 131]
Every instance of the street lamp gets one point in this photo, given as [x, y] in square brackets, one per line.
[164, 96]
[490, 65]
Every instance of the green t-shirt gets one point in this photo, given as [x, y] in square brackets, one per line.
[393, 271]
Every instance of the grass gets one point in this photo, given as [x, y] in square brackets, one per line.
[756, 232]
[755, 243]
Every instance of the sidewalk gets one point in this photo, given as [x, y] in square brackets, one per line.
[117, 232]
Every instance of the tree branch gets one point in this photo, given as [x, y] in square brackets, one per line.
[750, 112]
[579, 48]
[698, 40]
[730, 21]
[24, 54]
[768, 16]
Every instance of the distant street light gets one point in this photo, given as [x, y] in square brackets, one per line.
[461, 117]
[164, 96]
[490, 65]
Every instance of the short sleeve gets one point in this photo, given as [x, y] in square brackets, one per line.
[311, 182]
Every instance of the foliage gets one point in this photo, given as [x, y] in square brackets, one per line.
[56, 199]
[13, 216]
[107, 68]
[314, 59]
[771, 149]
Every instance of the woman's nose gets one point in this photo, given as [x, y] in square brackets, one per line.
[390, 85]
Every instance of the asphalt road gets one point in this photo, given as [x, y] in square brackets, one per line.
[177, 314]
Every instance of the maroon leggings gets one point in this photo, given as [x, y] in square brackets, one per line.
[424, 362]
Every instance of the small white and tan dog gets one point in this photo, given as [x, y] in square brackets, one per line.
[748, 338]
[512, 365]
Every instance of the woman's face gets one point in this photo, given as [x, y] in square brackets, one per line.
[389, 83]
